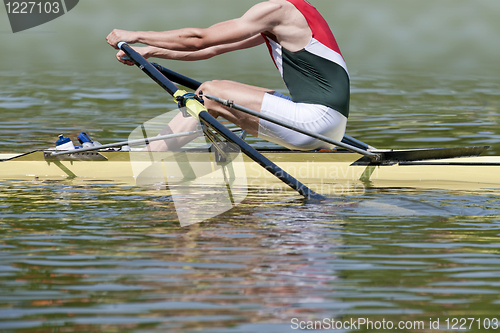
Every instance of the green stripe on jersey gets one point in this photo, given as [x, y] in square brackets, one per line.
[316, 80]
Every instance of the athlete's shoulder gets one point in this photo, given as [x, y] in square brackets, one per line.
[267, 11]
[271, 5]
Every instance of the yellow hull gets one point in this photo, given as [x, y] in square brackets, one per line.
[325, 172]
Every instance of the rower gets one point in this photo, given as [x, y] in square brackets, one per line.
[303, 49]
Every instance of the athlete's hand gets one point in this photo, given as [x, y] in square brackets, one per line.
[122, 57]
[117, 36]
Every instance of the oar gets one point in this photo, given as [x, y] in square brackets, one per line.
[197, 110]
[178, 78]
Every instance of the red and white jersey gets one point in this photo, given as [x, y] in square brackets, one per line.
[318, 73]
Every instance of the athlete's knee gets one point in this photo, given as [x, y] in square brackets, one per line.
[209, 87]
[213, 113]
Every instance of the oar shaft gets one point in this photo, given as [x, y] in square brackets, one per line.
[257, 157]
[289, 126]
[178, 78]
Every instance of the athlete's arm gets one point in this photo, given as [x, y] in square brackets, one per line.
[261, 17]
[207, 53]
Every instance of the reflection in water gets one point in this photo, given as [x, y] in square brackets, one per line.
[88, 255]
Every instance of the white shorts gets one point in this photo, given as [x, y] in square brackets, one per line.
[315, 118]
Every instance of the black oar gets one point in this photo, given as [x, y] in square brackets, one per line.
[196, 109]
[178, 78]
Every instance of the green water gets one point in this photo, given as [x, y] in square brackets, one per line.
[92, 257]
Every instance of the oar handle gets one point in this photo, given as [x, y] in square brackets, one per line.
[147, 68]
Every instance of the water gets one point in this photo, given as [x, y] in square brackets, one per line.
[104, 257]
[95, 256]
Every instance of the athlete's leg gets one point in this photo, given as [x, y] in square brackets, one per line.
[242, 94]
[314, 118]
[178, 124]
[245, 95]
